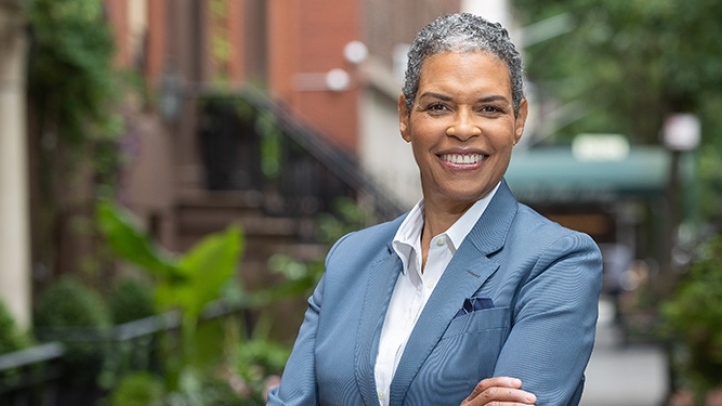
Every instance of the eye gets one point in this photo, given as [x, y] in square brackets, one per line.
[491, 110]
[437, 107]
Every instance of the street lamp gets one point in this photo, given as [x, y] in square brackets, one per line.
[682, 133]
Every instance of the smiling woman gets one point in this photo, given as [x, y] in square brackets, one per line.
[471, 298]
[462, 129]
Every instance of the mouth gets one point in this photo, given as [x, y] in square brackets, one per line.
[463, 159]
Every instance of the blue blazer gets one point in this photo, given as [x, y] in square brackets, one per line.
[544, 281]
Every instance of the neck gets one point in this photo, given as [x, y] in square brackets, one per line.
[437, 219]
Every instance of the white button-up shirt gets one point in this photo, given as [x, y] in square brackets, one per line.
[414, 287]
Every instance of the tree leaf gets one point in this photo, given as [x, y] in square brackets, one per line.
[133, 244]
[207, 266]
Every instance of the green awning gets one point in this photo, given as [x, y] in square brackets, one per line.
[554, 175]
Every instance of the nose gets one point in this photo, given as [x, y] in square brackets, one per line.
[463, 125]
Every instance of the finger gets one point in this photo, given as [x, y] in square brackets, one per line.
[501, 382]
[495, 391]
[501, 396]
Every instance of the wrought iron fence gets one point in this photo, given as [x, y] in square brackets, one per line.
[46, 374]
[251, 143]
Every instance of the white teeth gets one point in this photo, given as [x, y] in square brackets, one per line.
[462, 159]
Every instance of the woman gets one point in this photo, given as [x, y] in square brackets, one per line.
[471, 298]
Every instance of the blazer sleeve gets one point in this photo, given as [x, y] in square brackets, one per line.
[554, 321]
[298, 383]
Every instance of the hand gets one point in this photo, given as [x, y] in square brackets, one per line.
[271, 382]
[500, 391]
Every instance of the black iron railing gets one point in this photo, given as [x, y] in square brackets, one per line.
[31, 376]
[252, 143]
[42, 375]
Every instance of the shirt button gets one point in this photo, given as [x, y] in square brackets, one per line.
[441, 241]
[381, 395]
[430, 285]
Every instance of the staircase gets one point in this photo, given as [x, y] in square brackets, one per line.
[277, 209]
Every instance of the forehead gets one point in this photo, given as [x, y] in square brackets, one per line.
[465, 70]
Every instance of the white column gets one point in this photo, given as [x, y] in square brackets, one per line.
[497, 11]
[14, 212]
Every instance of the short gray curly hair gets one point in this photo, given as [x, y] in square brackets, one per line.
[463, 33]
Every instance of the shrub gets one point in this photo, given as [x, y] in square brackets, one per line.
[130, 299]
[693, 318]
[138, 389]
[64, 306]
[68, 303]
[11, 338]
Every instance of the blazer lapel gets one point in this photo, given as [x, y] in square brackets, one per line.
[382, 279]
[464, 275]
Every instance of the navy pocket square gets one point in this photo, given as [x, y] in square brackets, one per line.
[472, 304]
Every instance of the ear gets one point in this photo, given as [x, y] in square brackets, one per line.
[404, 119]
[520, 120]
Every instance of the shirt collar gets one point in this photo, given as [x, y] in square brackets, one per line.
[408, 236]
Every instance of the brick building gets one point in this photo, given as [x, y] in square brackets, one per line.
[331, 66]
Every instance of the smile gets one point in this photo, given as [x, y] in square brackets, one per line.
[459, 159]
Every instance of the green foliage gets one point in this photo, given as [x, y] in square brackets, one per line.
[348, 216]
[627, 64]
[138, 389]
[693, 316]
[197, 389]
[71, 77]
[73, 98]
[301, 277]
[204, 270]
[271, 136]
[132, 243]
[254, 361]
[68, 303]
[11, 337]
[130, 299]
[187, 282]
[190, 281]
[65, 305]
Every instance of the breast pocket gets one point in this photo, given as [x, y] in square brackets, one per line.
[478, 322]
[466, 354]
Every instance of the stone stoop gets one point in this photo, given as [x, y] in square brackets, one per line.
[206, 212]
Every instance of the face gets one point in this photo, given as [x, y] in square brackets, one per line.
[462, 126]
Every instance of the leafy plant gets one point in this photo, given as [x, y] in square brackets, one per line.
[70, 70]
[64, 306]
[253, 362]
[197, 389]
[130, 299]
[138, 389]
[187, 282]
[73, 97]
[301, 277]
[693, 317]
[69, 303]
[11, 337]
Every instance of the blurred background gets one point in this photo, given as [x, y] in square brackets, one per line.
[172, 173]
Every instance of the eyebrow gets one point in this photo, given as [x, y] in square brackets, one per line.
[443, 97]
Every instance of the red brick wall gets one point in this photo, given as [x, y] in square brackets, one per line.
[117, 14]
[283, 47]
[156, 41]
[308, 37]
[387, 23]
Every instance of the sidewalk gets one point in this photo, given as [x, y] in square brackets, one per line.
[634, 375]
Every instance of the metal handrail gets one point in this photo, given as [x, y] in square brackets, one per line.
[33, 355]
[334, 159]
